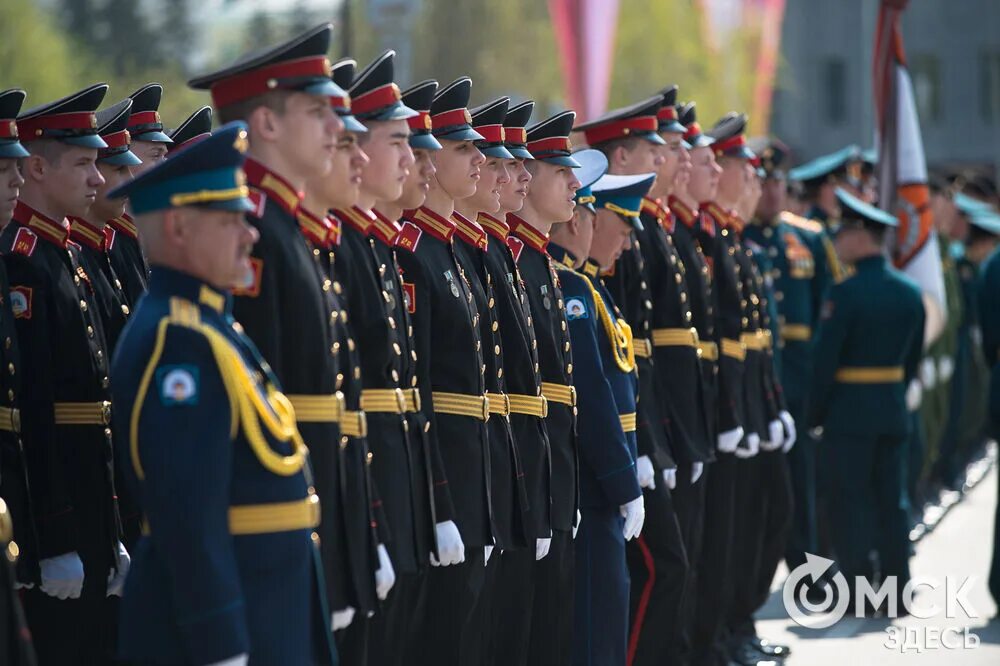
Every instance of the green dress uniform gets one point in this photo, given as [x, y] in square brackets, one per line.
[989, 304]
[868, 347]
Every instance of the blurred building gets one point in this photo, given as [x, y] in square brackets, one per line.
[823, 98]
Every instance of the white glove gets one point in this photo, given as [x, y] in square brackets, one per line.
[635, 514]
[576, 528]
[342, 618]
[914, 395]
[644, 472]
[775, 436]
[62, 576]
[790, 434]
[116, 580]
[729, 440]
[928, 372]
[238, 660]
[18, 585]
[670, 478]
[697, 469]
[751, 449]
[385, 575]
[542, 547]
[487, 553]
[450, 545]
[946, 368]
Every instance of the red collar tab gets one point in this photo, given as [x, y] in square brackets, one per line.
[256, 82]
[619, 129]
[421, 123]
[35, 128]
[384, 229]
[433, 223]
[314, 227]
[85, 233]
[532, 237]
[693, 130]
[491, 133]
[470, 232]
[8, 128]
[377, 98]
[494, 227]
[666, 113]
[662, 214]
[551, 145]
[720, 147]
[54, 232]
[516, 135]
[687, 216]
[357, 218]
[273, 185]
[722, 216]
[125, 225]
[452, 118]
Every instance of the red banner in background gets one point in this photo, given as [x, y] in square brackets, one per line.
[585, 31]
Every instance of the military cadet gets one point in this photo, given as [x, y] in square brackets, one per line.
[226, 571]
[868, 347]
[989, 305]
[149, 141]
[610, 496]
[450, 354]
[657, 560]
[195, 127]
[290, 104]
[548, 201]
[63, 351]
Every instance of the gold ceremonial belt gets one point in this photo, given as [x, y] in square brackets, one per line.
[886, 375]
[461, 404]
[10, 419]
[643, 347]
[532, 405]
[628, 422]
[392, 401]
[675, 337]
[83, 413]
[796, 332]
[708, 351]
[561, 393]
[756, 341]
[329, 408]
[499, 403]
[270, 518]
[734, 349]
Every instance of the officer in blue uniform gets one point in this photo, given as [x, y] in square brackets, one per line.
[227, 569]
[868, 347]
[820, 178]
[610, 497]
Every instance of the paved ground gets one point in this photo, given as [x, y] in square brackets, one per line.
[960, 547]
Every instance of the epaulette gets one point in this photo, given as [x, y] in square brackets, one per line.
[25, 242]
[409, 236]
[800, 222]
[516, 245]
[259, 200]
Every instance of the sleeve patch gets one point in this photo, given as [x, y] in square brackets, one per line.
[25, 242]
[251, 285]
[178, 385]
[410, 297]
[409, 236]
[576, 309]
[20, 302]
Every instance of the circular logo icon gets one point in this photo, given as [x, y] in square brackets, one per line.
[811, 615]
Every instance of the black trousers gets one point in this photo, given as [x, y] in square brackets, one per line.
[714, 574]
[450, 633]
[514, 598]
[551, 639]
[392, 632]
[658, 568]
[689, 505]
[74, 631]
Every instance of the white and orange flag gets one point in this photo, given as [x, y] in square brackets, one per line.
[902, 169]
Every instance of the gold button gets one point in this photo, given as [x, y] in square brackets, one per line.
[83, 305]
[10, 394]
[413, 354]
[427, 427]
[335, 348]
[343, 315]
[100, 354]
[490, 304]
[395, 348]
[495, 326]
[10, 368]
[395, 375]
[76, 279]
[648, 304]
[340, 379]
[314, 536]
[677, 278]
[357, 373]
[105, 382]
[413, 381]
[333, 317]
[569, 368]
[563, 325]
[534, 344]
[125, 310]
[643, 285]
[560, 303]
[118, 283]
[337, 288]
[496, 350]
[350, 344]
[478, 345]
[500, 373]
[326, 285]
[368, 457]
[7, 343]
[684, 297]
[315, 252]
[392, 323]
[566, 346]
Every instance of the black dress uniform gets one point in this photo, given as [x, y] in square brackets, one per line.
[127, 258]
[65, 407]
[15, 638]
[290, 309]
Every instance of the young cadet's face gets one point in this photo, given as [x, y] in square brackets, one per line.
[514, 190]
[418, 182]
[340, 185]
[733, 181]
[218, 244]
[105, 209]
[389, 159]
[70, 181]
[611, 236]
[673, 156]
[459, 165]
[10, 187]
[150, 152]
[552, 191]
[306, 133]
[683, 175]
[704, 181]
[645, 157]
[492, 178]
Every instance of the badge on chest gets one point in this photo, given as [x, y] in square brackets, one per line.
[452, 284]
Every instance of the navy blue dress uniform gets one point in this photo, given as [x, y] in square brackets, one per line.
[289, 286]
[868, 347]
[228, 564]
[450, 355]
[66, 406]
[195, 127]
[13, 470]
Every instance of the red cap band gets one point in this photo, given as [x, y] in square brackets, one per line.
[667, 113]
[118, 139]
[382, 96]
[733, 142]
[491, 133]
[693, 130]
[421, 122]
[452, 118]
[258, 81]
[516, 135]
[620, 128]
[144, 118]
[8, 129]
[551, 144]
[34, 128]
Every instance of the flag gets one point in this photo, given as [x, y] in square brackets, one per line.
[902, 169]
[585, 31]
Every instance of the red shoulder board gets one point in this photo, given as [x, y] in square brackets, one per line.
[251, 287]
[410, 297]
[259, 200]
[109, 237]
[516, 245]
[20, 302]
[409, 236]
[25, 242]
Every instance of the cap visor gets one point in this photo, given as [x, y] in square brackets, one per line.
[465, 134]
[241, 204]
[740, 152]
[520, 153]
[590, 207]
[687, 146]
[702, 141]
[153, 137]
[561, 160]
[653, 137]
[635, 222]
[424, 142]
[88, 141]
[352, 124]
[324, 87]
[397, 111]
[499, 152]
[672, 126]
[12, 151]
[127, 158]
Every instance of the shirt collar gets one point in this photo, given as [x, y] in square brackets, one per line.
[531, 236]
[470, 232]
[273, 185]
[54, 232]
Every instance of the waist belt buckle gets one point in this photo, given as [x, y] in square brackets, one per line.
[486, 408]
[545, 406]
